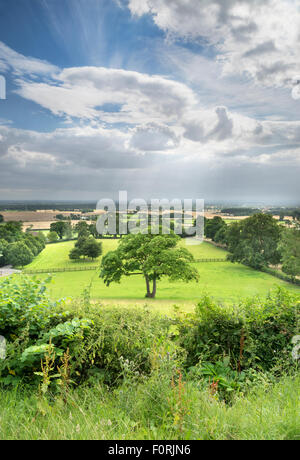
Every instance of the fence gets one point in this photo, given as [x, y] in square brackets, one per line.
[91, 268]
[212, 260]
[60, 270]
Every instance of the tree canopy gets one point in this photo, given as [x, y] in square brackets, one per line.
[254, 241]
[213, 226]
[87, 247]
[62, 228]
[153, 256]
[290, 251]
[13, 239]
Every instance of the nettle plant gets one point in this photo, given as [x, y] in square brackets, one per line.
[29, 321]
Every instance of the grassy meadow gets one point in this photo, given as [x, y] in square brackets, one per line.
[224, 281]
[266, 413]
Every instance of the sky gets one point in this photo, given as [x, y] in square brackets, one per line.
[163, 99]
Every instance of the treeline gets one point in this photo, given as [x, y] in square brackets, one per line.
[258, 241]
[64, 230]
[240, 211]
[16, 247]
[286, 212]
[48, 205]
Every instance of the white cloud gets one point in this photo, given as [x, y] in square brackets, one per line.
[19, 64]
[135, 97]
[135, 129]
[154, 137]
[260, 39]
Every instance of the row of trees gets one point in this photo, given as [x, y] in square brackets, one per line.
[64, 229]
[258, 241]
[16, 247]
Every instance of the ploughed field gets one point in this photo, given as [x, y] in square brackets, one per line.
[223, 280]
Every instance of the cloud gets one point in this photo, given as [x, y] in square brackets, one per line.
[251, 37]
[154, 137]
[20, 65]
[89, 163]
[82, 92]
[147, 133]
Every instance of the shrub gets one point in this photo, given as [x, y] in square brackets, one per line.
[257, 333]
[116, 335]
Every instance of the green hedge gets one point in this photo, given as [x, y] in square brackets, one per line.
[281, 275]
[103, 341]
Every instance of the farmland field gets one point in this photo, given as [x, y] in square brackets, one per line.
[57, 255]
[224, 281]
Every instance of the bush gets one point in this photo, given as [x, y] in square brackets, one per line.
[52, 237]
[116, 335]
[97, 340]
[108, 344]
[255, 334]
[26, 314]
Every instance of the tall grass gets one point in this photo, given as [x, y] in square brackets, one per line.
[151, 410]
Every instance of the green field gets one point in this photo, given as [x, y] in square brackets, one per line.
[224, 281]
[57, 255]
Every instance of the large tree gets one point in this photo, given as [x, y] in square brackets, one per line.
[61, 227]
[213, 226]
[18, 254]
[87, 247]
[290, 251]
[82, 229]
[153, 256]
[254, 241]
[11, 231]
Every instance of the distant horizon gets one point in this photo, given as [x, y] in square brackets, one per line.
[232, 203]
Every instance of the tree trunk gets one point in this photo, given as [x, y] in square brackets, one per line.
[154, 289]
[150, 295]
[148, 286]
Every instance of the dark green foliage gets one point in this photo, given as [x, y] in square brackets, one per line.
[18, 248]
[117, 336]
[75, 254]
[213, 226]
[86, 247]
[92, 248]
[3, 249]
[62, 228]
[240, 211]
[254, 241]
[107, 344]
[18, 254]
[82, 229]
[97, 342]
[221, 235]
[11, 231]
[255, 334]
[290, 251]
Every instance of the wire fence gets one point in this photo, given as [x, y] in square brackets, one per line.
[223, 259]
[93, 268]
[60, 270]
